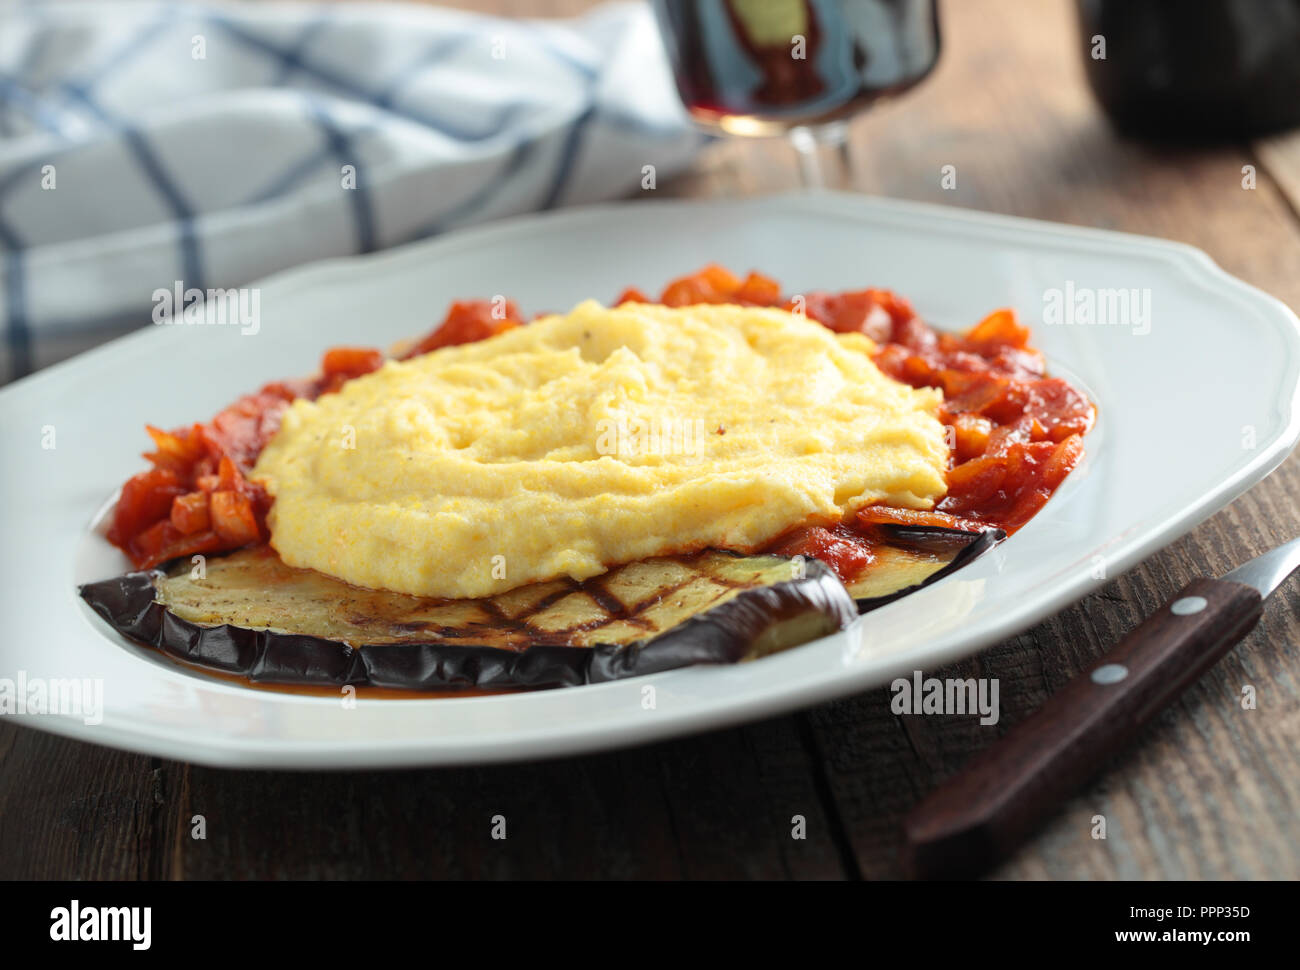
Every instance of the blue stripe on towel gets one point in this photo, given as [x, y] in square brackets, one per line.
[480, 200]
[138, 145]
[343, 147]
[434, 55]
[350, 88]
[14, 96]
[122, 53]
[568, 156]
[293, 55]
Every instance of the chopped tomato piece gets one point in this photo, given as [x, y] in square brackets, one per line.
[886, 515]
[849, 313]
[1060, 409]
[1008, 489]
[351, 361]
[712, 284]
[162, 542]
[999, 329]
[190, 513]
[146, 498]
[178, 449]
[242, 430]
[1022, 362]
[971, 433]
[880, 314]
[164, 512]
[966, 393]
[846, 553]
[146, 548]
[228, 477]
[981, 485]
[758, 290]
[631, 295]
[903, 365]
[199, 543]
[469, 321]
[233, 519]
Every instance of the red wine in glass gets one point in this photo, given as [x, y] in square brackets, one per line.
[802, 67]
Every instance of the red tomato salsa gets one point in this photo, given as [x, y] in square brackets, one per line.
[1014, 433]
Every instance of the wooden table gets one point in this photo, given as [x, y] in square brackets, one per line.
[1209, 792]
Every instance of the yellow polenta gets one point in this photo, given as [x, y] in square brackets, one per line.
[601, 437]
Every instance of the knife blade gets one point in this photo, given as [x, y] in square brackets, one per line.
[994, 803]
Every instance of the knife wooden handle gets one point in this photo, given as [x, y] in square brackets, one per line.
[984, 811]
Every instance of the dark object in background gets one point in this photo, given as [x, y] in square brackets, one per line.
[1195, 70]
[737, 66]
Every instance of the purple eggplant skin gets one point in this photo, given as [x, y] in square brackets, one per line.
[728, 633]
[971, 545]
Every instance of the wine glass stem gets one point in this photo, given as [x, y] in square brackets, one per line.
[823, 151]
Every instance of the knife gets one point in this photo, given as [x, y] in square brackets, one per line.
[989, 807]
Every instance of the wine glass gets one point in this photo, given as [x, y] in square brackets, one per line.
[801, 68]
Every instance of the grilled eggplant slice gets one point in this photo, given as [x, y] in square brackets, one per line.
[253, 615]
[916, 556]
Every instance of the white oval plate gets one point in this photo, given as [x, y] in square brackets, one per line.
[1192, 412]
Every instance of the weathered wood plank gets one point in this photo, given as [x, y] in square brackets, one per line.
[717, 806]
[78, 811]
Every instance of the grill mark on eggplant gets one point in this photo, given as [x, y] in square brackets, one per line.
[616, 610]
[606, 600]
[493, 609]
[654, 599]
[547, 601]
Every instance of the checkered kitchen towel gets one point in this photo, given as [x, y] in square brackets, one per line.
[147, 143]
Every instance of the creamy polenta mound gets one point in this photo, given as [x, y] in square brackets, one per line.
[579, 442]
